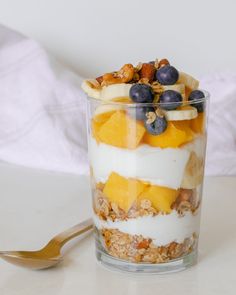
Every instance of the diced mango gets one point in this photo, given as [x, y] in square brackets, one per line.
[161, 197]
[123, 99]
[122, 131]
[176, 134]
[198, 124]
[123, 191]
[185, 126]
[98, 121]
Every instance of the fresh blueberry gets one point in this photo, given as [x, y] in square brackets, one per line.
[139, 113]
[167, 75]
[157, 127]
[194, 96]
[141, 93]
[170, 99]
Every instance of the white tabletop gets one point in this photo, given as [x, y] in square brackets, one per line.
[36, 205]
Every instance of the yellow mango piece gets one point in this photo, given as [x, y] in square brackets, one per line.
[176, 134]
[123, 191]
[121, 131]
[124, 99]
[185, 126]
[198, 124]
[98, 121]
[161, 197]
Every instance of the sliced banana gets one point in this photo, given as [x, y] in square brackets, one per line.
[177, 87]
[115, 90]
[187, 113]
[188, 81]
[92, 88]
[106, 93]
[194, 172]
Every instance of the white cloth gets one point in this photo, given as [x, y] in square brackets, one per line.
[42, 108]
[221, 145]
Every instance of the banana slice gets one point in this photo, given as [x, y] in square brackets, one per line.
[185, 113]
[194, 172]
[92, 88]
[115, 90]
[177, 87]
[106, 93]
[188, 81]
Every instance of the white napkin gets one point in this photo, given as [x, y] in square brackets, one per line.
[42, 108]
[221, 145]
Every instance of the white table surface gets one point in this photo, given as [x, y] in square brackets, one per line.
[35, 205]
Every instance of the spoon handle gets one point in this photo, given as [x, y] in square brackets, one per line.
[72, 232]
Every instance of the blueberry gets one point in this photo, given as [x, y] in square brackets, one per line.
[141, 93]
[139, 113]
[170, 99]
[167, 75]
[194, 96]
[157, 127]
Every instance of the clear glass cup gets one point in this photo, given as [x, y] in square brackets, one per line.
[146, 189]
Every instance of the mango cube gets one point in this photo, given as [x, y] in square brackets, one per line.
[198, 124]
[176, 134]
[123, 191]
[98, 121]
[121, 131]
[161, 197]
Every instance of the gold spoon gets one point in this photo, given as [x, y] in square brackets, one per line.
[49, 255]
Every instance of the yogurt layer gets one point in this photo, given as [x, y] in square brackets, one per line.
[164, 167]
[162, 229]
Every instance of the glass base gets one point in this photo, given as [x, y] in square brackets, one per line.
[175, 265]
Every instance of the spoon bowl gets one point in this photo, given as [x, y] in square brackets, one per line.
[49, 255]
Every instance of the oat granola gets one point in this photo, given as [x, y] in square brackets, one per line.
[136, 248]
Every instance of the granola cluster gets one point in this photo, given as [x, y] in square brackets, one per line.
[136, 248]
[142, 73]
[105, 210]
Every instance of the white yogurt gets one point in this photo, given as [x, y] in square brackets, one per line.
[164, 167]
[162, 229]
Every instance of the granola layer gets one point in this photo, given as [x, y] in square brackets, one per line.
[136, 248]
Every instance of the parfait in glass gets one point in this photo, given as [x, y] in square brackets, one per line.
[147, 140]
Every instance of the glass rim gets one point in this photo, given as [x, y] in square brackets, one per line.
[151, 104]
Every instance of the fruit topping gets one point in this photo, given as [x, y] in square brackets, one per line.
[182, 113]
[197, 95]
[197, 124]
[189, 82]
[161, 197]
[176, 134]
[141, 93]
[140, 112]
[170, 99]
[167, 75]
[155, 123]
[121, 131]
[98, 121]
[176, 87]
[114, 91]
[123, 191]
